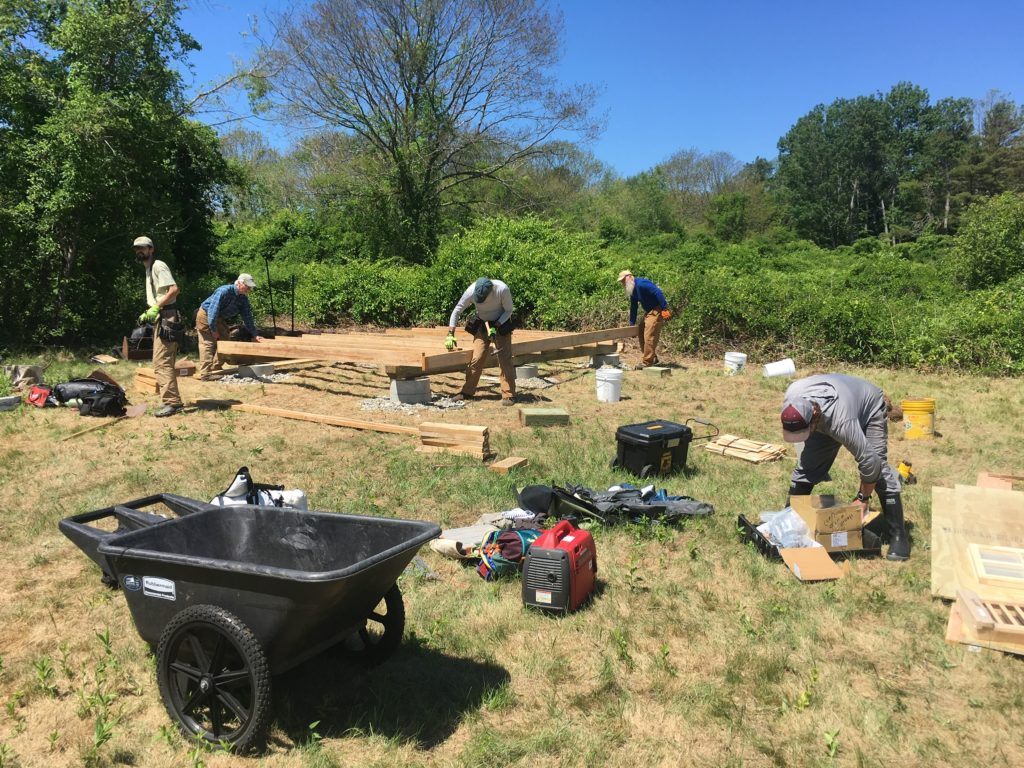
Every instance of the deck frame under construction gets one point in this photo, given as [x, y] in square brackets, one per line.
[408, 353]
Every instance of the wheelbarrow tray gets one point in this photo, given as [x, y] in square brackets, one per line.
[301, 581]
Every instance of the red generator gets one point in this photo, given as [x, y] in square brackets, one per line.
[560, 567]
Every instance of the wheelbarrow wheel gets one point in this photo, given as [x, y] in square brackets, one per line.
[214, 678]
[380, 637]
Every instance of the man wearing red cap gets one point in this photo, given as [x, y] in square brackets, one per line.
[644, 293]
[833, 411]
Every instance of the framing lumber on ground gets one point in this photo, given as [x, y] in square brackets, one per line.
[413, 352]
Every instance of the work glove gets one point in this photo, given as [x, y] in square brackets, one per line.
[150, 315]
[492, 332]
[449, 343]
[665, 314]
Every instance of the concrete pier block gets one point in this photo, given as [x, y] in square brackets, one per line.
[599, 361]
[256, 371]
[410, 390]
[526, 372]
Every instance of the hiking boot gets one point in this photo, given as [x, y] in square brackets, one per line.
[169, 410]
[508, 401]
[899, 541]
[458, 397]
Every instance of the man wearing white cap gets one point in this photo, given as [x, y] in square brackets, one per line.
[211, 320]
[833, 411]
[644, 293]
[162, 293]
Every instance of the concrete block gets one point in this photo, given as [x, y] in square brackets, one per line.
[256, 371]
[654, 370]
[526, 372]
[599, 361]
[410, 390]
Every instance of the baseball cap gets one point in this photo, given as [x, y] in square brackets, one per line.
[482, 289]
[142, 241]
[246, 279]
[796, 419]
[623, 275]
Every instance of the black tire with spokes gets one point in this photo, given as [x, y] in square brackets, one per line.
[214, 678]
[381, 635]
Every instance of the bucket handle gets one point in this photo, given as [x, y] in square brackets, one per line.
[707, 424]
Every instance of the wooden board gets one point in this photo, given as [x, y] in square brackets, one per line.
[972, 515]
[543, 417]
[958, 632]
[319, 418]
[748, 450]
[505, 466]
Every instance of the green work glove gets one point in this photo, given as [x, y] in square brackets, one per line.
[150, 315]
[450, 342]
[492, 332]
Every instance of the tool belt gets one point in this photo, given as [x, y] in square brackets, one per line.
[171, 328]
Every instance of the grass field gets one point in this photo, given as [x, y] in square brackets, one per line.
[696, 650]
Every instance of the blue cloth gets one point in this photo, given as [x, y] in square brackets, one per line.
[647, 294]
[227, 302]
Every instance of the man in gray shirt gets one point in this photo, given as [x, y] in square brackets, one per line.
[831, 411]
[493, 323]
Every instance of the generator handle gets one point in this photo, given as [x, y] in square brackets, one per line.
[705, 423]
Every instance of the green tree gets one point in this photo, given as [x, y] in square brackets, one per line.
[104, 151]
[990, 244]
[439, 93]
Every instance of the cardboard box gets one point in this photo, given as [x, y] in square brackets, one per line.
[185, 368]
[811, 564]
[841, 541]
[823, 514]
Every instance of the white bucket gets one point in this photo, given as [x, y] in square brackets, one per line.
[784, 367]
[734, 362]
[609, 384]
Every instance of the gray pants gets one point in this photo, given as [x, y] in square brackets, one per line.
[820, 451]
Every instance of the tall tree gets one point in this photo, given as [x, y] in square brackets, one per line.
[442, 92]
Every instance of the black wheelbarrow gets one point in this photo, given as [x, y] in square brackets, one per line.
[229, 596]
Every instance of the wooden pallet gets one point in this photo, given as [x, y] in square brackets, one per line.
[543, 417]
[748, 450]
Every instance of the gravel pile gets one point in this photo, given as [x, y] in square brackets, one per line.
[388, 405]
[537, 382]
[273, 378]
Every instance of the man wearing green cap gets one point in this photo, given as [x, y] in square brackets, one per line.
[161, 294]
[493, 323]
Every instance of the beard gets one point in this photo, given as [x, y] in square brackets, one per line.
[628, 288]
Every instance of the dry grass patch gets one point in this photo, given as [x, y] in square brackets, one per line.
[695, 651]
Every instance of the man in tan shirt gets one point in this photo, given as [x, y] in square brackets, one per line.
[161, 294]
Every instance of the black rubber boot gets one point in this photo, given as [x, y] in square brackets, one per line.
[799, 489]
[899, 541]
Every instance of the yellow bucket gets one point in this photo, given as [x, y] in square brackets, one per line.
[919, 418]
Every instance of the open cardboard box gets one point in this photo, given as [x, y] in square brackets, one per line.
[837, 527]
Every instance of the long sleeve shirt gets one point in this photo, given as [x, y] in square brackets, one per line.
[226, 302]
[847, 405]
[495, 309]
[648, 295]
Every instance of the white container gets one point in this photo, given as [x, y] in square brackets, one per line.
[734, 362]
[784, 367]
[609, 384]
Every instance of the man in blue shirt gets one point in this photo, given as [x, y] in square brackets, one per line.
[211, 320]
[645, 293]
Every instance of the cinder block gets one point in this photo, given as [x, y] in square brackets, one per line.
[410, 390]
[526, 372]
[599, 361]
[654, 370]
[256, 371]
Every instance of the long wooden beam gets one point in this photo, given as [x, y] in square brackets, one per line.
[320, 418]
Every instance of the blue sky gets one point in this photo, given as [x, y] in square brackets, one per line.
[728, 76]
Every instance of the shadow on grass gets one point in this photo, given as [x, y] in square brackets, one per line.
[418, 696]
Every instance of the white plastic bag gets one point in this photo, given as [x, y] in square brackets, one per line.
[786, 529]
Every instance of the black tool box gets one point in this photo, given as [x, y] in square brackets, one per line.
[656, 447]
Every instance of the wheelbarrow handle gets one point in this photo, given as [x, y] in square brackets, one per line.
[705, 423]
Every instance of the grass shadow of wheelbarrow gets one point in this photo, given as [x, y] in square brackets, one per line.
[230, 597]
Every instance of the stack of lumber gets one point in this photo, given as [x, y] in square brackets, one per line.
[145, 381]
[457, 438]
[543, 417]
[989, 623]
[748, 450]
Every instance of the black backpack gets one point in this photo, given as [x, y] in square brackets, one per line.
[98, 398]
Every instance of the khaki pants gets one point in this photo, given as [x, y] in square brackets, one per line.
[649, 331]
[164, 356]
[481, 347]
[208, 360]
